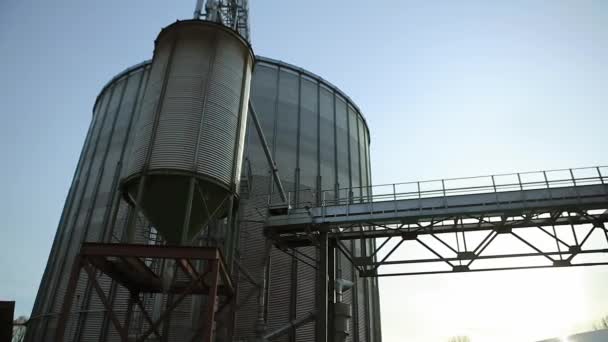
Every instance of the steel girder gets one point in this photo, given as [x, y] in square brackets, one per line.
[558, 237]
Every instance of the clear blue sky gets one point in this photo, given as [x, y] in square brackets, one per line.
[449, 88]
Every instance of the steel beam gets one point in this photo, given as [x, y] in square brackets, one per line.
[439, 226]
[149, 251]
[485, 257]
[210, 316]
[322, 291]
[514, 224]
[489, 269]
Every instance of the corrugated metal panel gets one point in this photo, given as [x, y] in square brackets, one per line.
[361, 308]
[90, 203]
[182, 111]
[346, 272]
[52, 293]
[92, 226]
[37, 325]
[306, 280]
[279, 292]
[145, 120]
[75, 230]
[251, 248]
[92, 212]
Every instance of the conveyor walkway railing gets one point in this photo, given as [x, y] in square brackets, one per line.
[566, 206]
[391, 203]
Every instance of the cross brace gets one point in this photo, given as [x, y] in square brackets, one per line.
[446, 239]
[126, 264]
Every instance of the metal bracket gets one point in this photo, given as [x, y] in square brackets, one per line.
[368, 273]
[560, 263]
[460, 268]
[363, 261]
[409, 236]
[466, 255]
[503, 230]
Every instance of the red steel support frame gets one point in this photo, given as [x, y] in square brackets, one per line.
[94, 256]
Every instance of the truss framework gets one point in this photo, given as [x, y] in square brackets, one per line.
[128, 264]
[553, 250]
[445, 220]
[448, 240]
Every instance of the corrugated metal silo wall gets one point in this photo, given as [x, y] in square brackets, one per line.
[318, 139]
[87, 213]
[91, 214]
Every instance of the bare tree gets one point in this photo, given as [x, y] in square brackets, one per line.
[459, 339]
[602, 323]
[19, 329]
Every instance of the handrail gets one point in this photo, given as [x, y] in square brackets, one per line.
[442, 188]
[485, 176]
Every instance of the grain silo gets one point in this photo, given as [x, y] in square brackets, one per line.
[316, 135]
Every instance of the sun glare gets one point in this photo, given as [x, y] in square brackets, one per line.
[540, 304]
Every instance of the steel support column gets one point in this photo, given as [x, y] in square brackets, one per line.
[211, 305]
[322, 293]
[331, 281]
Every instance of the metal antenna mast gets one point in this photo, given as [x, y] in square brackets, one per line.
[231, 13]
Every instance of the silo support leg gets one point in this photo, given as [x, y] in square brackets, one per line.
[232, 314]
[331, 275]
[322, 293]
[212, 296]
[187, 214]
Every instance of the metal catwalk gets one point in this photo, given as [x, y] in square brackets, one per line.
[512, 221]
[501, 222]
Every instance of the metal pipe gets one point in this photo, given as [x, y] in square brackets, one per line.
[231, 235]
[293, 324]
[188, 213]
[271, 163]
[198, 9]
[260, 326]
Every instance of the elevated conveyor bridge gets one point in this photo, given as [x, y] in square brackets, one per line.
[510, 221]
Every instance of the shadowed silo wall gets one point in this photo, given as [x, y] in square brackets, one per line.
[319, 140]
